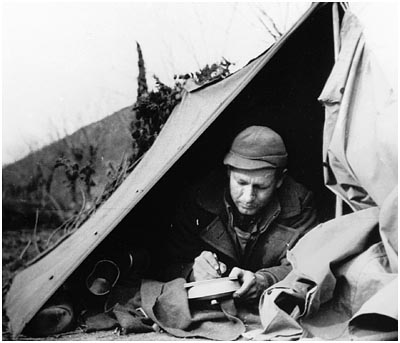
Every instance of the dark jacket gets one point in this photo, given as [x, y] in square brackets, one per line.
[202, 221]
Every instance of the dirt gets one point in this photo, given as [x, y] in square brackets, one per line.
[104, 336]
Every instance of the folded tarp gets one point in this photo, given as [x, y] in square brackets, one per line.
[343, 290]
[360, 133]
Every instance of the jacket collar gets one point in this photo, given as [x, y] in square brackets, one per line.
[289, 198]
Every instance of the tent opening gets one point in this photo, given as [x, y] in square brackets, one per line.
[283, 96]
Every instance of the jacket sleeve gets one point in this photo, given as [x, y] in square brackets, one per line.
[303, 222]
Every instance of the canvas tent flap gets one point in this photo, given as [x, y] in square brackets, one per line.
[388, 228]
[35, 285]
[381, 303]
[345, 281]
[360, 133]
[381, 35]
[312, 279]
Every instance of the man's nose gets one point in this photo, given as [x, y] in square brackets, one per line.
[248, 193]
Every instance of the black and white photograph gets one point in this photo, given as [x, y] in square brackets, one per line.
[199, 171]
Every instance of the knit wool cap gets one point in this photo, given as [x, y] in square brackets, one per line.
[257, 147]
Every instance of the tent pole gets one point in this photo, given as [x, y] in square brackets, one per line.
[336, 29]
[338, 207]
[336, 42]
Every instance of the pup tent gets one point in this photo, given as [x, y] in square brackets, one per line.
[279, 89]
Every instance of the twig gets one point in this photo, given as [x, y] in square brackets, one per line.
[268, 29]
[34, 232]
[133, 165]
[25, 249]
[78, 216]
[80, 219]
[122, 173]
[278, 33]
[7, 284]
[344, 6]
[83, 199]
[69, 225]
[57, 229]
[271, 21]
[59, 210]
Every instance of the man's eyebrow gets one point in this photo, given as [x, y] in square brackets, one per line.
[240, 178]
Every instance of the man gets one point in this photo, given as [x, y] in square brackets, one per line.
[243, 227]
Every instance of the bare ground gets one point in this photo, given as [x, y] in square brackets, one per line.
[103, 336]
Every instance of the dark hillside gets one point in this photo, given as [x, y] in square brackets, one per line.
[37, 183]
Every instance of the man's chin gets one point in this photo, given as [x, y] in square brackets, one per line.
[247, 211]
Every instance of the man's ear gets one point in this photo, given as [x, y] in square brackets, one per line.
[281, 177]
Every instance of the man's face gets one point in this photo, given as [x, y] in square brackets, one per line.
[251, 190]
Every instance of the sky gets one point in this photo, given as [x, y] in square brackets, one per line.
[68, 64]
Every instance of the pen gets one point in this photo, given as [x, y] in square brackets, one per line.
[218, 269]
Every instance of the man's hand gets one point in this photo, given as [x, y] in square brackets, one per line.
[249, 289]
[206, 266]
